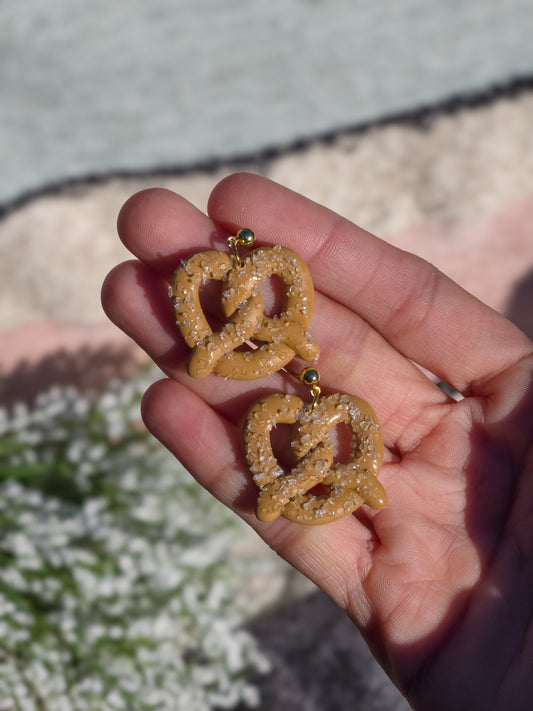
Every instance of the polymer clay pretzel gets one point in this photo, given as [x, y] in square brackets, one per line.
[283, 336]
[350, 484]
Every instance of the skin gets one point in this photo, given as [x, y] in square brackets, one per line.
[440, 582]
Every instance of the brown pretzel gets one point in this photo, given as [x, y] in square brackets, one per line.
[284, 335]
[350, 485]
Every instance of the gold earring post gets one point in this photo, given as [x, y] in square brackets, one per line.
[310, 377]
[244, 237]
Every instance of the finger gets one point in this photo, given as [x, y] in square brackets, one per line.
[136, 299]
[421, 312]
[209, 447]
[354, 358]
[161, 228]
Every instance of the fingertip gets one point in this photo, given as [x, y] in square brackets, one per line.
[183, 422]
[111, 287]
[230, 192]
[134, 210]
[276, 213]
[160, 227]
[135, 299]
[229, 184]
[151, 403]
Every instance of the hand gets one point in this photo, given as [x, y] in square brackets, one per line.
[441, 581]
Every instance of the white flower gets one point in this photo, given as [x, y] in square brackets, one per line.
[76, 451]
[127, 556]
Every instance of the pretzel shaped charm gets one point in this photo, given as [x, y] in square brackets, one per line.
[283, 336]
[350, 485]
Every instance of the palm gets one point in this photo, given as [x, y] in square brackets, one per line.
[428, 579]
[451, 560]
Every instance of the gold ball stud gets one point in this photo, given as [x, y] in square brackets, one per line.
[245, 236]
[310, 376]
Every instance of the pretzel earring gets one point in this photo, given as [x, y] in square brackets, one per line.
[282, 336]
[346, 486]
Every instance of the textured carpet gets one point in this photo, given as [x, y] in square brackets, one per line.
[433, 186]
[87, 88]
